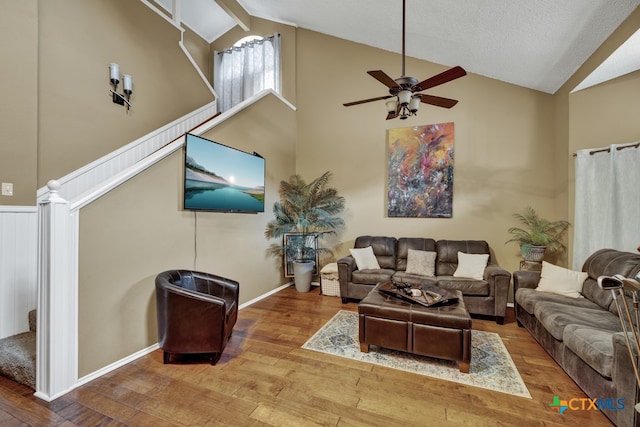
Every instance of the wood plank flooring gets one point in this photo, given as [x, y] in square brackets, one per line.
[265, 378]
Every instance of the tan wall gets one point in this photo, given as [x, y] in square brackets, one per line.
[200, 52]
[78, 122]
[19, 89]
[605, 114]
[138, 230]
[504, 137]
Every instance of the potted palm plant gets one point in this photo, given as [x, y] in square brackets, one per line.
[537, 235]
[311, 211]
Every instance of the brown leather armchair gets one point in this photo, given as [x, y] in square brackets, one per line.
[196, 313]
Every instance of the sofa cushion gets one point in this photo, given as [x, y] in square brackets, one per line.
[559, 280]
[593, 345]
[371, 277]
[471, 265]
[465, 285]
[554, 317]
[414, 279]
[421, 263]
[383, 247]
[365, 258]
[415, 243]
[607, 262]
[447, 250]
[527, 298]
[592, 291]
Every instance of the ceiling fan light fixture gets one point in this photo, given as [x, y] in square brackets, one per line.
[404, 96]
[414, 104]
[392, 105]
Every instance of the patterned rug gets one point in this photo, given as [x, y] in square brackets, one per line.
[491, 365]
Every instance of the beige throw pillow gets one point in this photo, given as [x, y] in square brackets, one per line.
[365, 258]
[562, 281]
[421, 263]
[471, 265]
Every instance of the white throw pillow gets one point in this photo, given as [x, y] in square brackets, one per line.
[559, 280]
[422, 263]
[471, 265]
[365, 258]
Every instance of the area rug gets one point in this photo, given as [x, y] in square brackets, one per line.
[491, 365]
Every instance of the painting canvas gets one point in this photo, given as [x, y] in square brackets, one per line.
[420, 177]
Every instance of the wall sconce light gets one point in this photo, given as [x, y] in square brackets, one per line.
[127, 83]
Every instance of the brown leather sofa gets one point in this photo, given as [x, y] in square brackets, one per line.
[483, 297]
[584, 335]
[196, 313]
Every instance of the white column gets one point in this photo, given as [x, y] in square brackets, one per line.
[56, 361]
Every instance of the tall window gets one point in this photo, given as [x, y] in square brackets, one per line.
[250, 66]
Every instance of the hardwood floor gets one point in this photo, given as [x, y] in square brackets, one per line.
[265, 378]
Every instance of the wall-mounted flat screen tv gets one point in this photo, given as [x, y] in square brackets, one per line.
[221, 178]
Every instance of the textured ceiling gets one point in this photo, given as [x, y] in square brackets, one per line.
[536, 44]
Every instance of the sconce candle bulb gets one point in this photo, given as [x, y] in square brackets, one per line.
[114, 73]
[127, 83]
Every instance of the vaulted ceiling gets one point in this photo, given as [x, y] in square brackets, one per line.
[536, 44]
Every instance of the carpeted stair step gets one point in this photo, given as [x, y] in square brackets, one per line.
[18, 355]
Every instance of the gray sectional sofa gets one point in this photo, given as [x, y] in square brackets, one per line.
[486, 296]
[583, 335]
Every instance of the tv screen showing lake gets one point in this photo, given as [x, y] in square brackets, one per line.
[221, 178]
[224, 198]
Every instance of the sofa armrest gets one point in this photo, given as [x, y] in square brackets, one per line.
[346, 266]
[499, 281]
[525, 279]
[625, 380]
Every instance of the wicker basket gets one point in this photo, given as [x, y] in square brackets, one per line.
[329, 283]
[532, 253]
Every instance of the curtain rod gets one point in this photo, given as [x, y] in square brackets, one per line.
[608, 150]
[237, 48]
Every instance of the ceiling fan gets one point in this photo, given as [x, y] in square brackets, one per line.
[405, 89]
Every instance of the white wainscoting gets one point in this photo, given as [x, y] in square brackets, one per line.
[95, 173]
[18, 267]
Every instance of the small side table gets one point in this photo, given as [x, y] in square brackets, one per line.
[530, 265]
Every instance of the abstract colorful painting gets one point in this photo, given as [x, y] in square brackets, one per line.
[420, 179]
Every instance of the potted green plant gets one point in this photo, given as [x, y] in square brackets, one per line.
[537, 235]
[311, 210]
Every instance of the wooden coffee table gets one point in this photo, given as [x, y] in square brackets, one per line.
[440, 332]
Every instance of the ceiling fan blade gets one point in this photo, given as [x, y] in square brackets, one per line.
[444, 77]
[383, 78]
[438, 101]
[349, 104]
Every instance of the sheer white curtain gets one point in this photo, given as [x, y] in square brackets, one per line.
[607, 202]
[242, 71]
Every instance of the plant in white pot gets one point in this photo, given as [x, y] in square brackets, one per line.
[311, 210]
[537, 235]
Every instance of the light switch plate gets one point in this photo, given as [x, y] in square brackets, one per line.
[7, 189]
